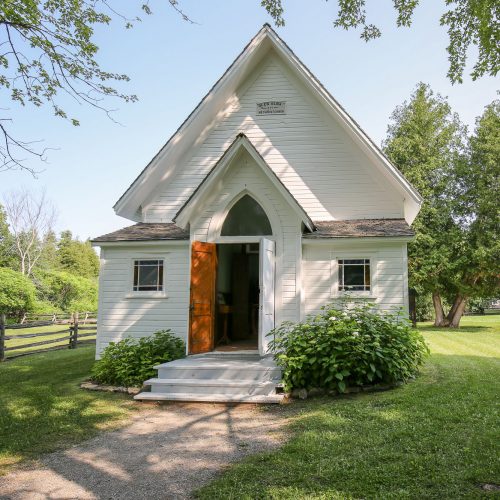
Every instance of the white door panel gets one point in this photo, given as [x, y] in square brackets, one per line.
[266, 297]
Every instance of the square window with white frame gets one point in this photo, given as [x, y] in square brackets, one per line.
[148, 275]
[354, 275]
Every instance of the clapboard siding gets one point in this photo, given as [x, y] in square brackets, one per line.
[319, 272]
[312, 155]
[246, 175]
[121, 317]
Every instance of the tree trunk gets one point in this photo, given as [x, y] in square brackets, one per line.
[458, 313]
[412, 306]
[454, 307]
[439, 319]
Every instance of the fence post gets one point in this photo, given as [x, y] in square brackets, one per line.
[2, 337]
[74, 338]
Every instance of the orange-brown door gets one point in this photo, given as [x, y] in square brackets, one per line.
[202, 297]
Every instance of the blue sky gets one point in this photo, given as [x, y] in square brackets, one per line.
[172, 64]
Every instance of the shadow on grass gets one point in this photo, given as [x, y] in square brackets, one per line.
[42, 407]
[435, 437]
[462, 329]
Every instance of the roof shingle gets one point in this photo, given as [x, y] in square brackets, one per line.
[360, 228]
[145, 231]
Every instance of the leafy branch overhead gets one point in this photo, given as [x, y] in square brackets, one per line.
[48, 53]
[470, 23]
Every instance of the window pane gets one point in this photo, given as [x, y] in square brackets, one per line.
[354, 277]
[246, 218]
[148, 275]
[354, 274]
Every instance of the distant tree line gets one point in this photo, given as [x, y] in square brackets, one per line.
[40, 271]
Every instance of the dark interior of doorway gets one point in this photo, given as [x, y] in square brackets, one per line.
[237, 318]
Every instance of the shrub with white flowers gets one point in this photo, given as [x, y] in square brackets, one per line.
[343, 348]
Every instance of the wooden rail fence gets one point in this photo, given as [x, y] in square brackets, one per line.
[79, 327]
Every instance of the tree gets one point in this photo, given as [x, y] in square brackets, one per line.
[48, 258]
[31, 218]
[77, 257]
[476, 272]
[7, 253]
[66, 291]
[469, 22]
[17, 293]
[47, 49]
[425, 141]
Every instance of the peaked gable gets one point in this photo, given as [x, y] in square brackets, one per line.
[220, 168]
[164, 167]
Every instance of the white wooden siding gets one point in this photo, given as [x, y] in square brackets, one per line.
[246, 176]
[121, 316]
[313, 156]
[388, 268]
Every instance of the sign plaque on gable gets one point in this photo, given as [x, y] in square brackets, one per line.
[271, 108]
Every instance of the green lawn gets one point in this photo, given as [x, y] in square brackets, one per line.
[437, 437]
[42, 407]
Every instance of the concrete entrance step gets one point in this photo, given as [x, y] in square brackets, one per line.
[217, 377]
[213, 386]
[209, 398]
[227, 367]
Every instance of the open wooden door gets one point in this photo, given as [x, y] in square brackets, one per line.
[202, 297]
[266, 297]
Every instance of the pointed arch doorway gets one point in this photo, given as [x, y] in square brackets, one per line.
[232, 304]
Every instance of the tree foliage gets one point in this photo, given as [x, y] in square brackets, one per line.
[61, 272]
[455, 253]
[470, 23]
[425, 141]
[477, 206]
[77, 257]
[17, 293]
[48, 51]
[7, 253]
[66, 291]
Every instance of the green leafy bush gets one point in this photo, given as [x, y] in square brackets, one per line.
[130, 362]
[341, 348]
[66, 291]
[17, 293]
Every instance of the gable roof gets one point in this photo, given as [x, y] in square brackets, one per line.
[241, 142]
[194, 125]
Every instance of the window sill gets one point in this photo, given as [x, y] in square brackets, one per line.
[146, 295]
[353, 296]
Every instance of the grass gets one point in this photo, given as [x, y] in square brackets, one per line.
[437, 437]
[43, 409]
[20, 342]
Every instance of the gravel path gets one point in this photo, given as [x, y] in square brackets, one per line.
[166, 452]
